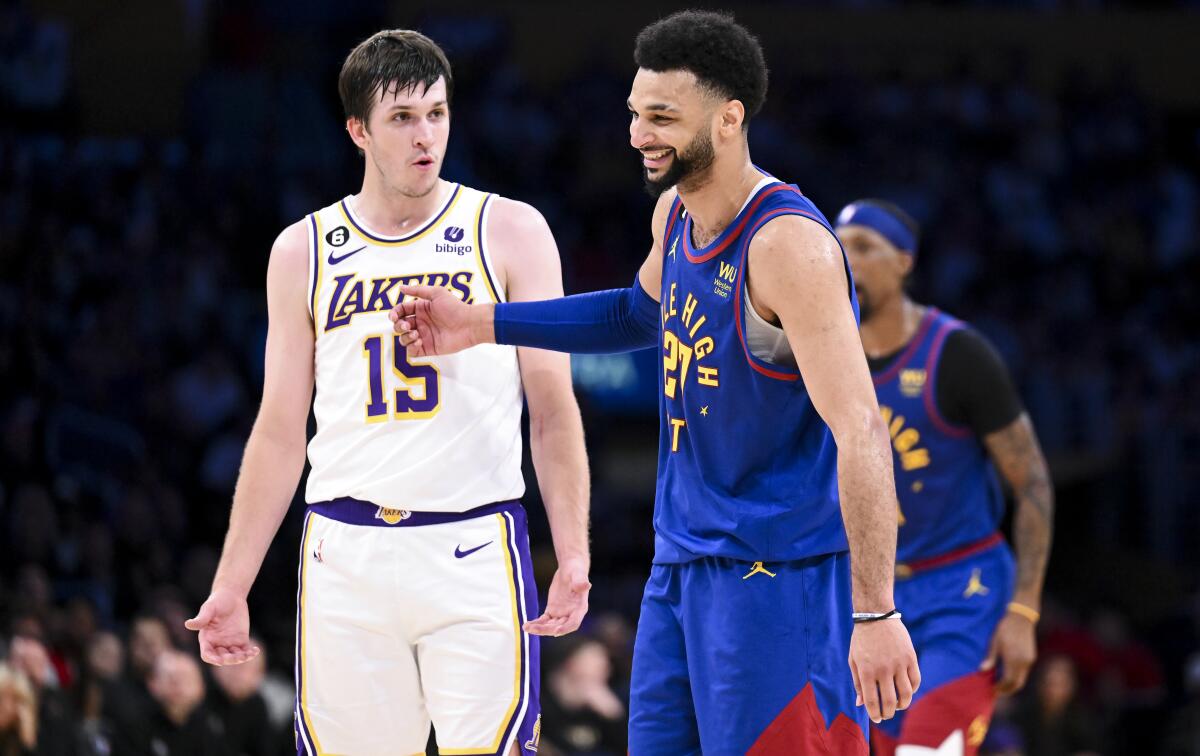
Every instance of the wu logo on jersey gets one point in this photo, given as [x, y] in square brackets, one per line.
[338, 236]
[723, 283]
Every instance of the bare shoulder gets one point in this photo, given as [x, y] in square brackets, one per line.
[661, 209]
[291, 246]
[511, 219]
[793, 239]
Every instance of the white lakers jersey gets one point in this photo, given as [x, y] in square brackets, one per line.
[435, 434]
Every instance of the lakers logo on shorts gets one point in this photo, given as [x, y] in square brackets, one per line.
[392, 516]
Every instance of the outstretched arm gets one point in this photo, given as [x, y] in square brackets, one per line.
[433, 321]
[1016, 452]
[797, 275]
[274, 456]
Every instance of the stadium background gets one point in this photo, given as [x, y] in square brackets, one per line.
[150, 150]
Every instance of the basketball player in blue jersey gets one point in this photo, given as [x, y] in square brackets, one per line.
[774, 545]
[416, 599]
[953, 416]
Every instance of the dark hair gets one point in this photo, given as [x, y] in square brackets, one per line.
[894, 210]
[390, 61]
[722, 54]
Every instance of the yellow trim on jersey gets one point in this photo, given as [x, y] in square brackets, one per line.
[444, 212]
[306, 723]
[316, 297]
[479, 258]
[512, 592]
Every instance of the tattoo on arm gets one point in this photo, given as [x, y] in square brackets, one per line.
[1017, 455]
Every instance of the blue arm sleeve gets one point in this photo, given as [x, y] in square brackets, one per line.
[599, 322]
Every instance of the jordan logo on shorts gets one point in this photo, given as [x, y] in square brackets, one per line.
[975, 586]
[756, 569]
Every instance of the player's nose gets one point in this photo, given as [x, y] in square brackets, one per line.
[423, 135]
[639, 135]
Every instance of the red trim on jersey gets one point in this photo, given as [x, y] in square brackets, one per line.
[729, 234]
[931, 365]
[800, 728]
[672, 216]
[941, 560]
[913, 345]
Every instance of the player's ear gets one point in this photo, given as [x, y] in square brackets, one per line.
[905, 262]
[732, 115]
[357, 129]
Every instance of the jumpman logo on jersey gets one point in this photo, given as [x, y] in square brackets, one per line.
[975, 586]
[674, 244]
[757, 568]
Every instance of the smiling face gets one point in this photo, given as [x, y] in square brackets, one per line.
[405, 135]
[673, 119]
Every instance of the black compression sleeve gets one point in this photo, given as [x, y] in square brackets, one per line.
[974, 387]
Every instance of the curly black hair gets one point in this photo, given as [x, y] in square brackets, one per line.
[722, 54]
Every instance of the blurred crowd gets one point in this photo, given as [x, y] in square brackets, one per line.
[132, 319]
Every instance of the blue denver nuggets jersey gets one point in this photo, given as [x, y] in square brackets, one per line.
[949, 494]
[747, 469]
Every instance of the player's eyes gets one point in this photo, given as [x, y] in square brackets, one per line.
[437, 114]
[400, 117]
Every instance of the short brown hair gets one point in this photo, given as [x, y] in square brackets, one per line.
[392, 60]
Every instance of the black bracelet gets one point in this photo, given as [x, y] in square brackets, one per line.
[861, 617]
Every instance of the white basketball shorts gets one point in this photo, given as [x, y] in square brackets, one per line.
[404, 618]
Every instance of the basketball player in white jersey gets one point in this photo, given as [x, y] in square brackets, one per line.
[416, 598]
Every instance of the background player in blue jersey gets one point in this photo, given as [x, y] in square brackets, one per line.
[951, 412]
[746, 622]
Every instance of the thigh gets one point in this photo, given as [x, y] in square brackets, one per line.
[479, 669]
[957, 609]
[662, 715]
[357, 687]
[961, 606]
[767, 649]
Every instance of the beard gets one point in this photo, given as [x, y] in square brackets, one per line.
[865, 309]
[691, 163]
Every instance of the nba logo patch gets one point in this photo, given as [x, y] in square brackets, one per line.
[912, 382]
[392, 516]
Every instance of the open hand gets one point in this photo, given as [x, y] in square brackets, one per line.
[567, 602]
[224, 626]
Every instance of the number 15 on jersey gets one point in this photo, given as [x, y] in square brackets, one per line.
[417, 398]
